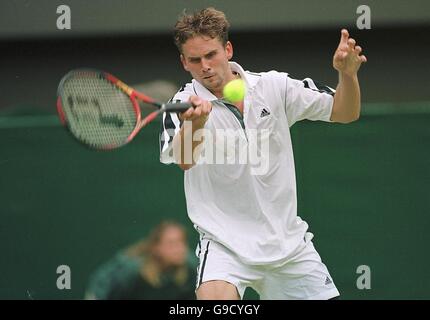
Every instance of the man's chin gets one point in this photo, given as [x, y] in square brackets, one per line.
[211, 84]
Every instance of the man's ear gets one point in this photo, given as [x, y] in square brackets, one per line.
[184, 62]
[229, 50]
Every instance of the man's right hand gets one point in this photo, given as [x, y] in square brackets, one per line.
[199, 112]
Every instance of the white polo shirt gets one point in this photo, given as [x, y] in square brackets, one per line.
[251, 207]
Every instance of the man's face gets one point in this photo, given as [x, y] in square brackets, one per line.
[207, 61]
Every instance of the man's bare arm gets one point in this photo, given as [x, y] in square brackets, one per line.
[193, 120]
[347, 61]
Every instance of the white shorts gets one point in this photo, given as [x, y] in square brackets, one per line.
[303, 277]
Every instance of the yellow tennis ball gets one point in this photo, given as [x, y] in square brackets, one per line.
[234, 91]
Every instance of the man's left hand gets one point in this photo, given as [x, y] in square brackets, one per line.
[347, 59]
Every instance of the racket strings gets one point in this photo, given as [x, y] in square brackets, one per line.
[98, 112]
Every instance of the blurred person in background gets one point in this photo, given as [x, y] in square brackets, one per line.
[156, 268]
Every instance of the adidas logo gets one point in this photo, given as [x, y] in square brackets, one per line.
[328, 281]
[264, 113]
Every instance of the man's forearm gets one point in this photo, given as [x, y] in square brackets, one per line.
[184, 155]
[347, 105]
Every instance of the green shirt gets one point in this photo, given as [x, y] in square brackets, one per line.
[120, 279]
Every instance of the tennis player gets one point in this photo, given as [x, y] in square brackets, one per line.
[250, 234]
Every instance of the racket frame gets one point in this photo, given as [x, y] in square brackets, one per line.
[132, 94]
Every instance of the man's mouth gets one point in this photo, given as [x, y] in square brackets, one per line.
[207, 77]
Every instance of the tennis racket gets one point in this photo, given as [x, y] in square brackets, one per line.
[104, 113]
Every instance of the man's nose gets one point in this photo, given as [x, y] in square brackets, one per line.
[205, 65]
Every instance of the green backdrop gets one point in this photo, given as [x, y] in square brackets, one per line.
[362, 187]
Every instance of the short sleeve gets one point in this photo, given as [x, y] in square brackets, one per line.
[170, 126]
[307, 99]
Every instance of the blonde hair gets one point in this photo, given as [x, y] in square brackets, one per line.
[152, 268]
[207, 22]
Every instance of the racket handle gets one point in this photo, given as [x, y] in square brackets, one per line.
[176, 107]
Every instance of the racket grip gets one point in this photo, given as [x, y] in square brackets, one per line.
[176, 107]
